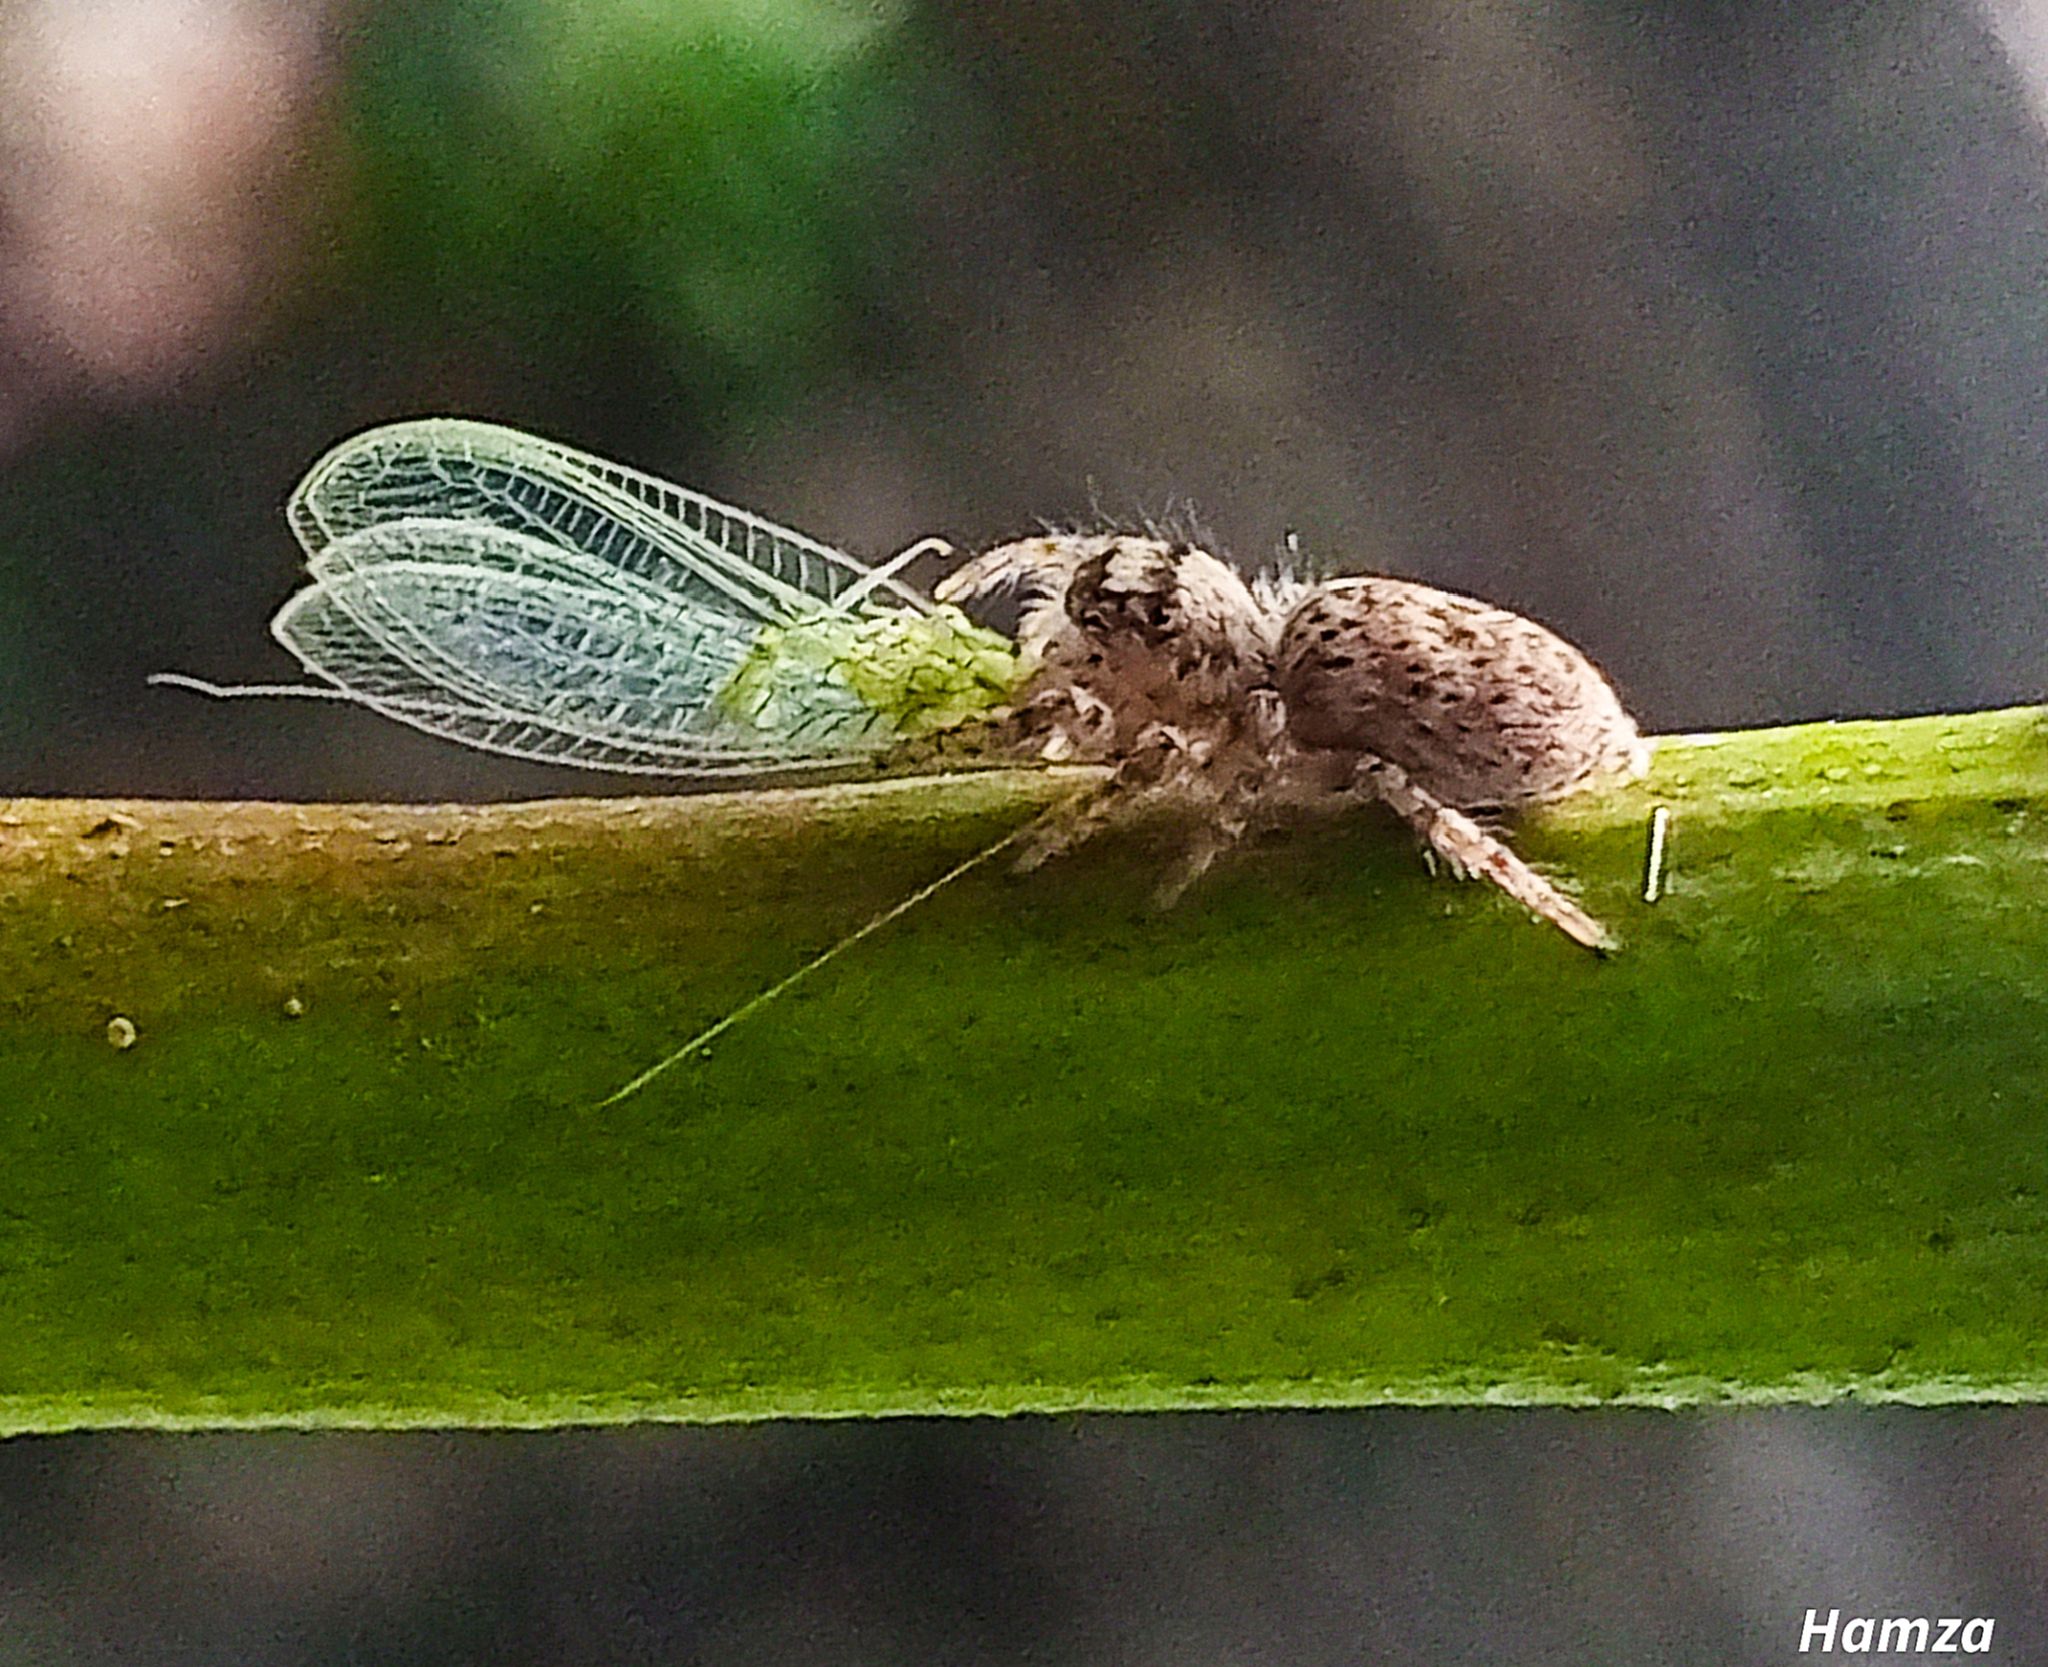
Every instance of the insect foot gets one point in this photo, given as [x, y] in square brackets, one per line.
[1152, 767]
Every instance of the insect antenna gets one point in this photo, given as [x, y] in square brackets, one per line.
[753, 1004]
[235, 691]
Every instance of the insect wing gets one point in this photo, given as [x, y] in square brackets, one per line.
[524, 597]
[679, 542]
[497, 640]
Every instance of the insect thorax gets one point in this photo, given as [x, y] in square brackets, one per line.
[898, 673]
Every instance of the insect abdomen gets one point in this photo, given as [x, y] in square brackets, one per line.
[1481, 706]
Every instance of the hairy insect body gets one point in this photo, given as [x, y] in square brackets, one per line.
[1160, 660]
[1123, 634]
[1483, 707]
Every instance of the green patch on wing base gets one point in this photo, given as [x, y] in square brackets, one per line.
[894, 674]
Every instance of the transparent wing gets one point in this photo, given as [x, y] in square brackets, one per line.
[681, 543]
[516, 595]
[498, 640]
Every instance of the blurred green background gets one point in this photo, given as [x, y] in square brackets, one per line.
[1715, 336]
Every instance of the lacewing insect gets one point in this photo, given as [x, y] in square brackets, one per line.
[516, 595]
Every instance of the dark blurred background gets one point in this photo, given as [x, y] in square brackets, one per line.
[1491, 1538]
[1712, 332]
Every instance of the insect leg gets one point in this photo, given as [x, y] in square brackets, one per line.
[1154, 766]
[1062, 724]
[1200, 856]
[1462, 842]
[1235, 801]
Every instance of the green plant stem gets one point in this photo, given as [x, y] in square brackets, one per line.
[1329, 1133]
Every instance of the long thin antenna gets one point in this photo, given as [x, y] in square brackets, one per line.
[232, 691]
[756, 1003]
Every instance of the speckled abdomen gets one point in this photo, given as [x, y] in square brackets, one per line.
[1480, 706]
